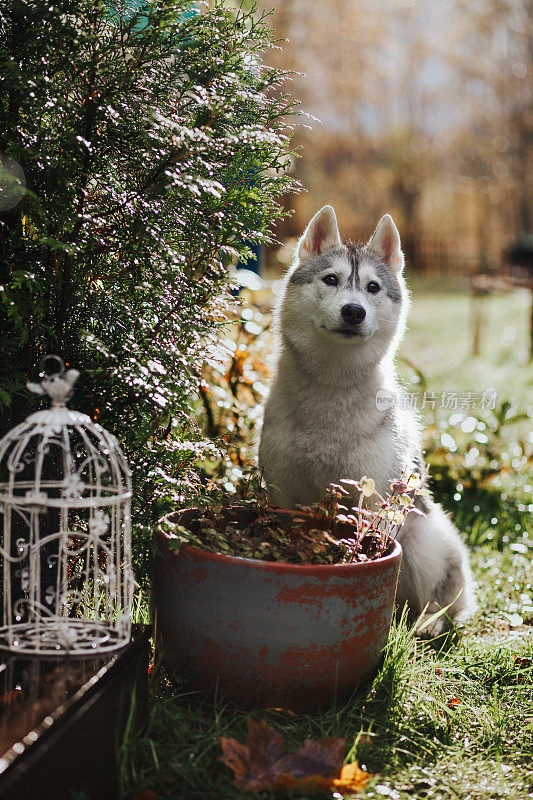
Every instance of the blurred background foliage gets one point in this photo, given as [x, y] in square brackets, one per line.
[426, 111]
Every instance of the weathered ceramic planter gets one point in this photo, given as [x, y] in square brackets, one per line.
[272, 634]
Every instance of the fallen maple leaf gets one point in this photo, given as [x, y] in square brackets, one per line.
[316, 757]
[264, 764]
[253, 763]
[352, 779]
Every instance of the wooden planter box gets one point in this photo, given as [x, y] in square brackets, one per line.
[62, 722]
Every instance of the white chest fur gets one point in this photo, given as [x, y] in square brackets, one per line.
[316, 433]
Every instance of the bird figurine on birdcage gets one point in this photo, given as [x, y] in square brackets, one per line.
[65, 497]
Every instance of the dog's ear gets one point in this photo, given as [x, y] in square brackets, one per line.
[385, 241]
[321, 234]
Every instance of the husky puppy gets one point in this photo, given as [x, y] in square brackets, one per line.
[334, 408]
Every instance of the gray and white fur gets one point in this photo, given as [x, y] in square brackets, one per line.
[334, 408]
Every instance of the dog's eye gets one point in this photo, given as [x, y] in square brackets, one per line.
[373, 287]
[330, 280]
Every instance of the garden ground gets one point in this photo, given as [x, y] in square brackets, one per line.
[454, 722]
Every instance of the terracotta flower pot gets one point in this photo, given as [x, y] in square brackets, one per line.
[272, 634]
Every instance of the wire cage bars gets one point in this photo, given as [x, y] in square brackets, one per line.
[65, 496]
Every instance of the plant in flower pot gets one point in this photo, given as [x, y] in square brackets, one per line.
[281, 607]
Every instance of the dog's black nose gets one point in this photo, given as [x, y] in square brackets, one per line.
[353, 314]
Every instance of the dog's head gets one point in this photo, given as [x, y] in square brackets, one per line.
[350, 296]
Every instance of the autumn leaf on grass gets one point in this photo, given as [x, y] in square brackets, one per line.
[316, 757]
[253, 764]
[352, 779]
[264, 764]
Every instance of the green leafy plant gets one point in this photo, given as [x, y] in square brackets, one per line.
[328, 532]
[154, 144]
[480, 465]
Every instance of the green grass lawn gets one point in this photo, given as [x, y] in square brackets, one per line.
[439, 340]
[450, 723]
[454, 722]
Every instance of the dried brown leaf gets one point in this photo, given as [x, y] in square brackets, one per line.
[253, 763]
[322, 757]
[263, 763]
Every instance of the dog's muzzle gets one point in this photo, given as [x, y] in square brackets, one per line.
[353, 314]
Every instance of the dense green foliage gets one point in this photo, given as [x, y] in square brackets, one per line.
[154, 144]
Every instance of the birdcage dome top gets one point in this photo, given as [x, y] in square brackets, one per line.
[60, 455]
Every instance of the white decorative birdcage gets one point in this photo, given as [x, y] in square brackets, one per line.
[65, 495]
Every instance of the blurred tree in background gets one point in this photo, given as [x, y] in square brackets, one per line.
[153, 145]
[427, 113]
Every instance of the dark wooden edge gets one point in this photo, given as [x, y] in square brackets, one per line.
[20, 756]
